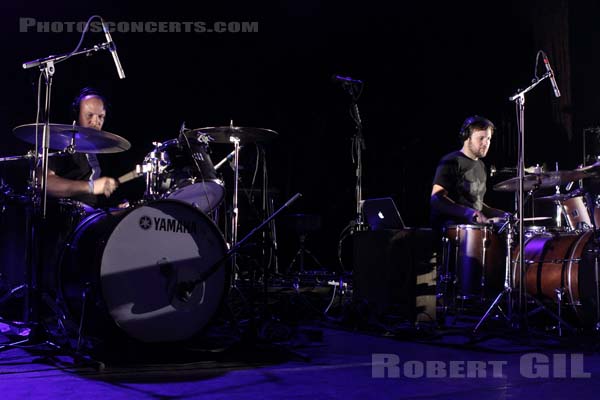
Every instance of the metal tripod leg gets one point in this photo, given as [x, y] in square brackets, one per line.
[541, 307]
[506, 292]
[507, 281]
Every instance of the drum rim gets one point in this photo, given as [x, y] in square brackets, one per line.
[468, 226]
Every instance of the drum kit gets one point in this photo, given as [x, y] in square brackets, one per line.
[145, 272]
[560, 263]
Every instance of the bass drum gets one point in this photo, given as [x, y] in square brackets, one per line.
[144, 271]
[560, 261]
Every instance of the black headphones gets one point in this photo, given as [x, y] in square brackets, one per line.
[475, 121]
[86, 91]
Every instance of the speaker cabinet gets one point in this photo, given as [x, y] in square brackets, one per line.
[388, 264]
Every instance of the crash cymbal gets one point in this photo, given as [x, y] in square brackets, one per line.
[221, 134]
[544, 180]
[84, 140]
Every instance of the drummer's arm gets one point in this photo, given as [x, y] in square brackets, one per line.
[446, 206]
[492, 212]
[62, 187]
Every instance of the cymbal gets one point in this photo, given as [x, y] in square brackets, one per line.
[592, 170]
[85, 140]
[562, 196]
[545, 180]
[221, 134]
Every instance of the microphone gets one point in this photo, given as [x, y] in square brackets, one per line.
[228, 158]
[552, 80]
[345, 80]
[113, 50]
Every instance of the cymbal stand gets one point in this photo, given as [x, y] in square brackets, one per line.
[235, 212]
[269, 235]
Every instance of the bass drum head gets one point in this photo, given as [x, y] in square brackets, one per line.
[148, 266]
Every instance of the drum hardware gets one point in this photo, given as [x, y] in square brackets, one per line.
[560, 292]
[303, 224]
[238, 136]
[509, 286]
[508, 227]
[185, 286]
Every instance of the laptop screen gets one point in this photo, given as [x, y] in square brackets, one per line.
[382, 213]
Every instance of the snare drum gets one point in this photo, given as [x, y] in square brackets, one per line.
[186, 173]
[476, 257]
[143, 272]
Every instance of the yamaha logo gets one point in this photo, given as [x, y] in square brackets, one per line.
[145, 222]
[167, 225]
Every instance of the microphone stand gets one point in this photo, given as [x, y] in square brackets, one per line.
[520, 304]
[36, 229]
[519, 99]
[358, 145]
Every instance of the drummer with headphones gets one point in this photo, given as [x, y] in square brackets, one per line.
[459, 184]
[78, 175]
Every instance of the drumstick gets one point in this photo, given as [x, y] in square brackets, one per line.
[129, 176]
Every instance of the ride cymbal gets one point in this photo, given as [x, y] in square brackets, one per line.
[545, 180]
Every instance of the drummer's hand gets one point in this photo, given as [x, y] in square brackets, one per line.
[105, 186]
[479, 218]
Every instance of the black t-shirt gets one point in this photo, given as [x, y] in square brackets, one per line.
[75, 167]
[464, 179]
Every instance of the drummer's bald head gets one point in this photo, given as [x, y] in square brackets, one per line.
[86, 92]
[89, 109]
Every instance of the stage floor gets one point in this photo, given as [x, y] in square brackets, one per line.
[325, 359]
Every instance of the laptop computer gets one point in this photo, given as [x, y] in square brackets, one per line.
[382, 213]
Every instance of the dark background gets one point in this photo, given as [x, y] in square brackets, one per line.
[426, 67]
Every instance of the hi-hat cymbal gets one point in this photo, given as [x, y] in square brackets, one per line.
[222, 134]
[84, 140]
[560, 197]
[545, 180]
